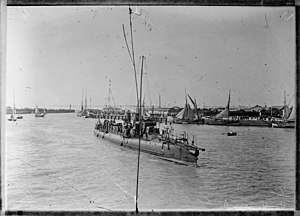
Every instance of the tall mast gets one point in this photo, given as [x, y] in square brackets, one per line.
[285, 108]
[82, 99]
[140, 133]
[159, 102]
[85, 102]
[228, 104]
[133, 59]
[271, 108]
[139, 101]
[185, 97]
[14, 105]
[284, 98]
[108, 98]
[132, 55]
[196, 108]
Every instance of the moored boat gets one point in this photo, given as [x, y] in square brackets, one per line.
[80, 112]
[138, 133]
[288, 118]
[19, 117]
[231, 133]
[13, 116]
[187, 115]
[37, 112]
[164, 145]
[224, 118]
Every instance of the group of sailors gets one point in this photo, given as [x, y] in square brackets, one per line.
[164, 131]
[131, 129]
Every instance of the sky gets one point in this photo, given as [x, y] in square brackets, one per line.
[57, 54]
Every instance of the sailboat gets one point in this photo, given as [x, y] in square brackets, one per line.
[80, 112]
[288, 117]
[13, 116]
[85, 112]
[108, 109]
[37, 112]
[187, 115]
[19, 116]
[222, 118]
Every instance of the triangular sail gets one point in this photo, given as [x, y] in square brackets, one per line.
[228, 104]
[292, 116]
[81, 108]
[193, 102]
[286, 112]
[225, 113]
[15, 111]
[195, 105]
[186, 112]
[36, 111]
[180, 114]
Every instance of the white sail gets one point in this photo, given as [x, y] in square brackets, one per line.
[286, 112]
[186, 113]
[14, 111]
[225, 113]
[189, 114]
[36, 111]
[180, 114]
[292, 116]
[13, 116]
[195, 106]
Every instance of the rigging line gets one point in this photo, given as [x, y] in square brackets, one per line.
[68, 184]
[291, 99]
[127, 44]
[110, 92]
[148, 81]
[140, 131]
[138, 66]
[132, 50]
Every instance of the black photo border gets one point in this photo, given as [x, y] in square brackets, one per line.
[252, 3]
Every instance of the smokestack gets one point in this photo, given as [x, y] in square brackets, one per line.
[159, 102]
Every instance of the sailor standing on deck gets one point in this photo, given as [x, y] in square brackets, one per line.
[167, 129]
[147, 132]
[161, 130]
[171, 128]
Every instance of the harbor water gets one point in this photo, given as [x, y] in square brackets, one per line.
[56, 163]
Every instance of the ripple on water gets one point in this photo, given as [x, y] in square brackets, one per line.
[56, 163]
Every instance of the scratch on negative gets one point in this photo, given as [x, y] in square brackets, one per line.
[267, 22]
[123, 190]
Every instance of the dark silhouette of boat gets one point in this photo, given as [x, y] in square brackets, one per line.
[38, 113]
